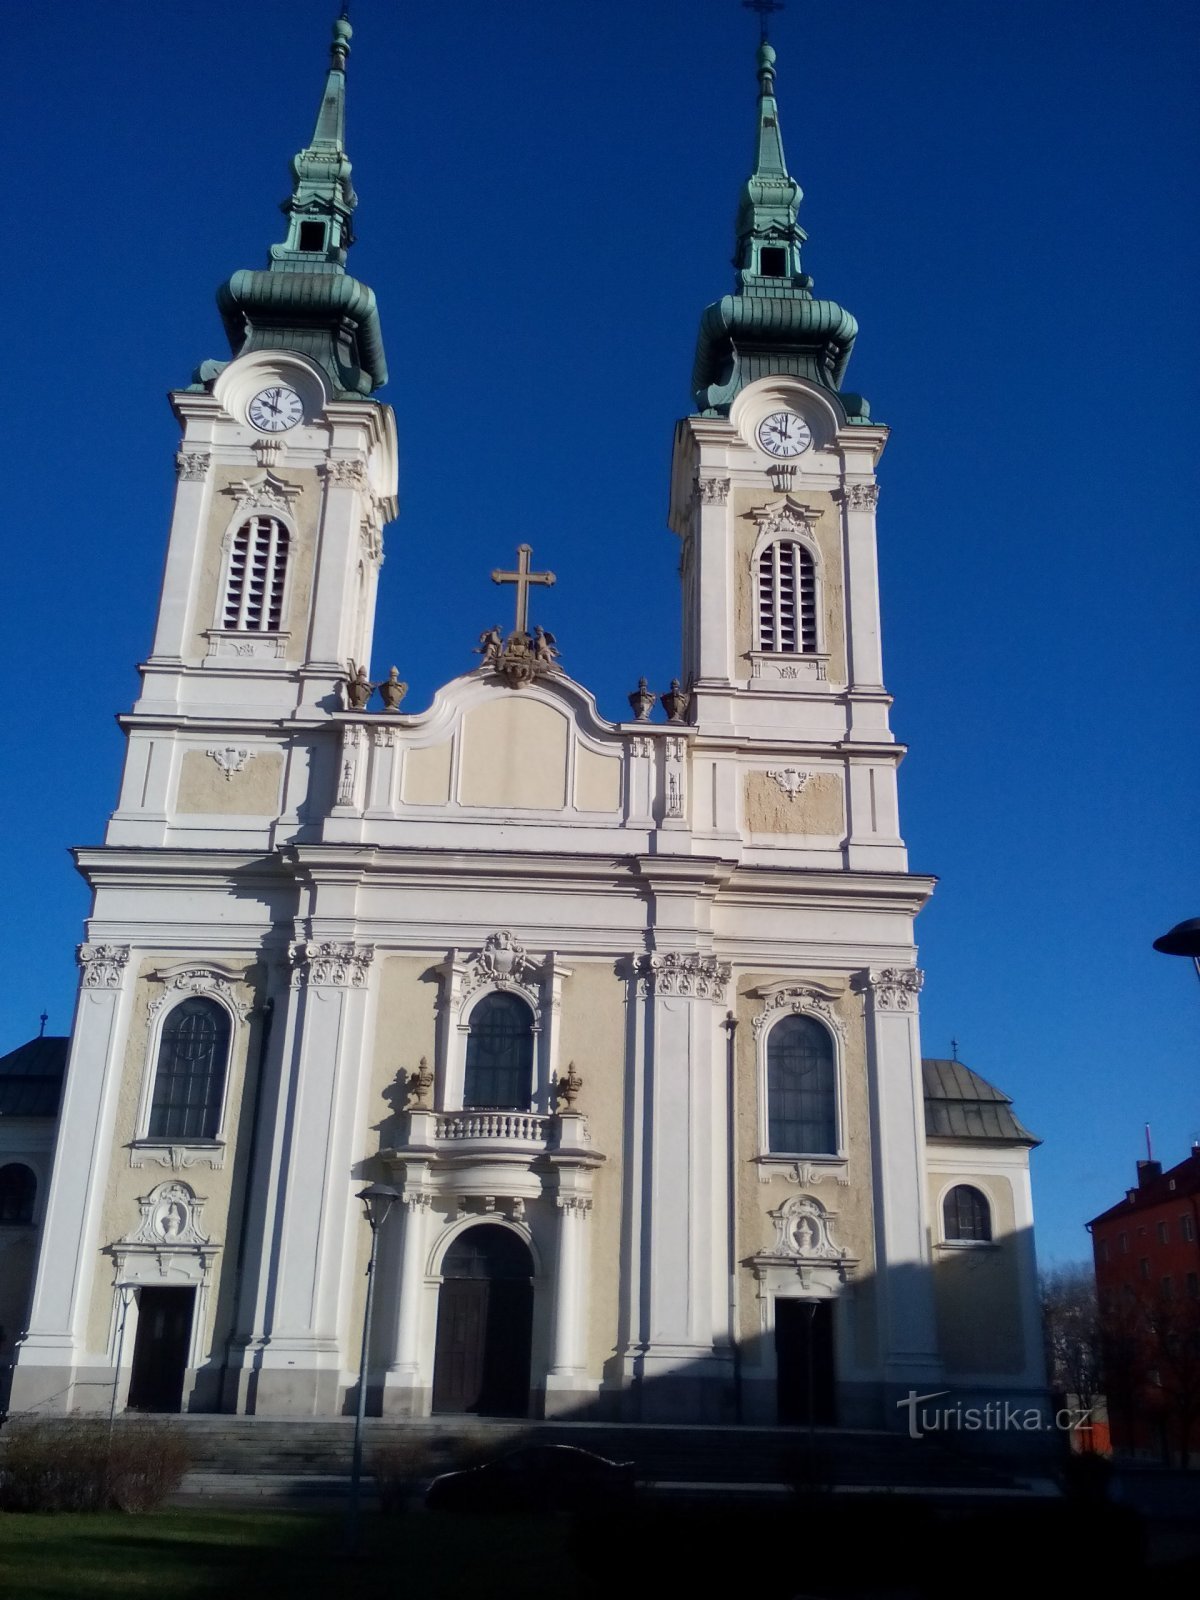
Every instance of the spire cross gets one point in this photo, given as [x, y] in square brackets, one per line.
[954, 1048]
[522, 577]
[764, 8]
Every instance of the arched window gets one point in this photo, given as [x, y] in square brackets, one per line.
[499, 1072]
[257, 569]
[787, 599]
[966, 1215]
[18, 1190]
[189, 1083]
[801, 1089]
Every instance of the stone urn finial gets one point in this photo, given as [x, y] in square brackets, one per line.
[569, 1087]
[676, 702]
[642, 700]
[393, 691]
[419, 1085]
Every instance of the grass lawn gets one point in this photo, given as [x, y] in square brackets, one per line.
[264, 1554]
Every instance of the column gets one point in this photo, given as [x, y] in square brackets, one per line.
[566, 1381]
[54, 1371]
[904, 1275]
[403, 1386]
[300, 1356]
[680, 1372]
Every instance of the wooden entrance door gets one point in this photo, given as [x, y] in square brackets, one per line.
[484, 1326]
[160, 1351]
[804, 1362]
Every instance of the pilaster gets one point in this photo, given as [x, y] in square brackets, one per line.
[300, 1356]
[53, 1366]
[679, 1371]
[903, 1268]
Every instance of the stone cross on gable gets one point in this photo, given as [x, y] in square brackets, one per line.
[522, 577]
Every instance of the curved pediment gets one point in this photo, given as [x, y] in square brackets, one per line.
[483, 746]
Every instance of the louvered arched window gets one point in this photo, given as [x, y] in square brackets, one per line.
[189, 1083]
[966, 1215]
[257, 570]
[787, 599]
[18, 1190]
[499, 1071]
[801, 1089]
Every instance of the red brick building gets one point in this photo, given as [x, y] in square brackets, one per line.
[1147, 1259]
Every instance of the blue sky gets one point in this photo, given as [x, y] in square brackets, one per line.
[1001, 192]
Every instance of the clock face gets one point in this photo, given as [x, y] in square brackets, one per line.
[275, 410]
[783, 433]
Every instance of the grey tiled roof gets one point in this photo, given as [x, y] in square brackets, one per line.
[959, 1104]
[31, 1078]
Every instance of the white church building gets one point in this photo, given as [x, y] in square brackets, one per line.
[627, 1013]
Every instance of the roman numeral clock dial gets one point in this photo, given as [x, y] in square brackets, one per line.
[275, 410]
[783, 434]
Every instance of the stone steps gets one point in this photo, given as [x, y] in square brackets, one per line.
[682, 1455]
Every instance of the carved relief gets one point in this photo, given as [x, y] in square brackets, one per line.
[383, 738]
[804, 1174]
[353, 740]
[685, 973]
[349, 474]
[176, 1157]
[265, 493]
[503, 963]
[103, 964]
[782, 476]
[791, 780]
[192, 465]
[801, 1001]
[803, 1231]
[330, 965]
[643, 747]
[170, 1215]
[575, 1205]
[862, 496]
[199, 981]
[894, 988]
[712, 491]
[230, 758]
[785, 518]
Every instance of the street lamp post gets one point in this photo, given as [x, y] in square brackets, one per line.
[1182, 940]
[377, 1201]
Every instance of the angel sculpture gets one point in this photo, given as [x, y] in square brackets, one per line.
[359, 687]
[544, 647]
[491, 643]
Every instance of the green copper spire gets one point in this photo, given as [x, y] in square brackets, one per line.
[771, 324]
[304, 300]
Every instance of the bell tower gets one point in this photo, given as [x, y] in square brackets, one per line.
[286, 468]
[773, 496]
[286, 475]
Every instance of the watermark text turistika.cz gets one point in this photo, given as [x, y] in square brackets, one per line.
[997, 1416]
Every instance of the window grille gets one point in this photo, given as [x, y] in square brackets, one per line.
[801, 1089]
[499, 1070]
[257, 569]
[189, 1084]
[967, 1215]
[787, 599]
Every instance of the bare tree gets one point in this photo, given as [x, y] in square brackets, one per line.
[1071, 1327]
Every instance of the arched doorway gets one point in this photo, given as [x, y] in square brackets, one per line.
[484, 1325]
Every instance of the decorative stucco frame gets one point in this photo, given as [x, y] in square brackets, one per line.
[262, 495]
[788, 521]
[183, 981]
[803, 998]
[153, 1255]
[501, 966]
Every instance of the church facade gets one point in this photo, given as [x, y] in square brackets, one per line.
[624, 1015]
